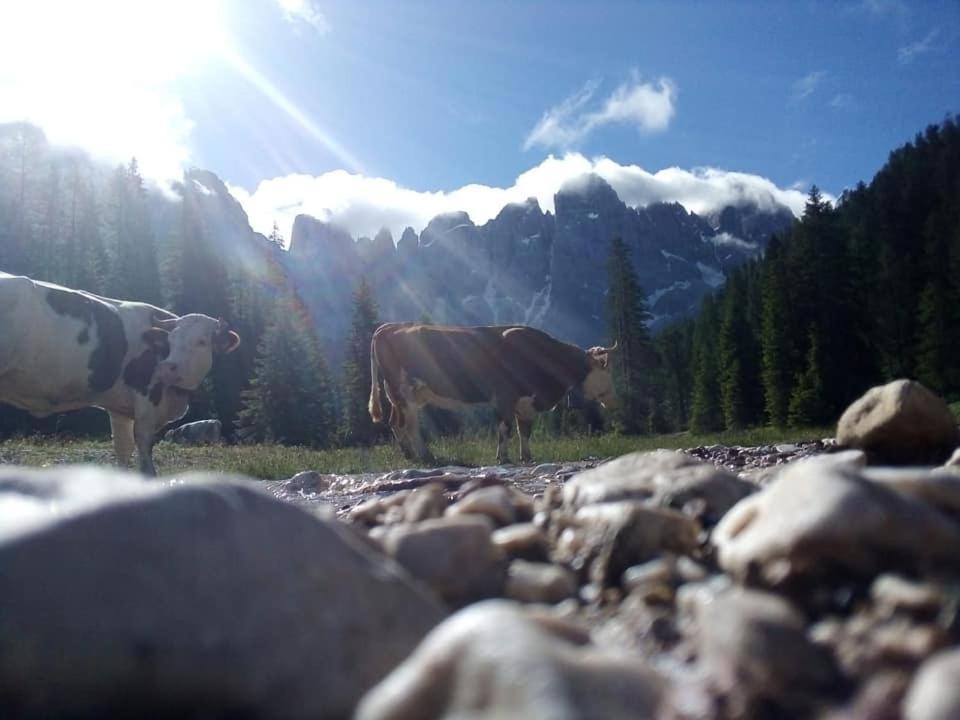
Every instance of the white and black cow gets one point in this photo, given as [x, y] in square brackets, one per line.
[63, 349]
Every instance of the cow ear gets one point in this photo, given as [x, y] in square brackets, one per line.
[157, 340]
[226, 342]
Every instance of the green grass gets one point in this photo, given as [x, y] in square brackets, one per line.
[271, 462]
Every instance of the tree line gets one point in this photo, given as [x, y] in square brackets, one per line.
[853, 295]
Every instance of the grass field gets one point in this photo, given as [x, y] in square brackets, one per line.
[272, 462]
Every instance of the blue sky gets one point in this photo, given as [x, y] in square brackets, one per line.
[382, 113]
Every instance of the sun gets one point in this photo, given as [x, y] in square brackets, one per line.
[100, 73]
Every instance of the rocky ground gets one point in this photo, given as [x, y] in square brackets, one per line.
[816, 580]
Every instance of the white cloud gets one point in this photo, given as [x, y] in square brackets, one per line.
[842, 101]
[908, 53]
[363, 204]
[807, 85]
[646, 106]
[304, 11]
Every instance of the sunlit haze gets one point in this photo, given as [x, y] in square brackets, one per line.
[383, 115]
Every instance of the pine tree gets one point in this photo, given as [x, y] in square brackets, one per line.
[135, 271]
[358, 428]
[705, 410]
[290, 399]
[634, 363]
[736, 357]
[807, 403]
[775, 337]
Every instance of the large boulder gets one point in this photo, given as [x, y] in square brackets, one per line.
[491, 661]
[663, 477]
[900, 423]
[122, 598]
[819, 515]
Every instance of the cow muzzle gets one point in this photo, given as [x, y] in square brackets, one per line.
[169, 373]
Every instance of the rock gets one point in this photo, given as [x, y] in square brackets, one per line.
[754, 650]
[490, 661]
[424, 503]
[539, 582]
[935, 691]
[893, 594]
[200, 432]
[308, 482]
[938, 487]
[454, 556]
[901, 423]
[816, 517]
[618, 535]
[205, 599]
[523, 540]
[663, 477]
[494, 502]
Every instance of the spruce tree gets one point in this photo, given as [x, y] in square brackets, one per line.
[775, 337]
[290, 398]
[808, 405]
[705, 411]
[634, 363]
[135, 271]
[358, 428]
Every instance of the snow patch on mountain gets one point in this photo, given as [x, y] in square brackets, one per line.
[711, 276]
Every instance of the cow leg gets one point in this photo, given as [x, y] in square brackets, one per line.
[525, 412]
[397, 424]
[145, 427]
[121, 428]
[523, 430]
[503, 442]
[415, 440]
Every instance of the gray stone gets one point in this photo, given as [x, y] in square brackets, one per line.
[935, 691]
[615, 536]
[200, 432]
[494, 502]
[523, 540]
[939, 487]
[753, 648]
[539, 582]
[492, 662]
[454, 556]
[900, 423]
[816, 516]
[663, 477]
[120, 598]
[425, 503]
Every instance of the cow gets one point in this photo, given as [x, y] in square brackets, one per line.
[63, 349]
[518, 370]
[199, 432]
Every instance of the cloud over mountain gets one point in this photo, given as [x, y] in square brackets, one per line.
[364, 205]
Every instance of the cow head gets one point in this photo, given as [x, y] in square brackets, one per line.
[598, 385]
[192, 340]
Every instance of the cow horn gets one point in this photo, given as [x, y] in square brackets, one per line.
[613, 347]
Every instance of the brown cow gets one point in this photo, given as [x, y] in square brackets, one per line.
[519, 370]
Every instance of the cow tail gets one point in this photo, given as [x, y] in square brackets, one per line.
[376, 412]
